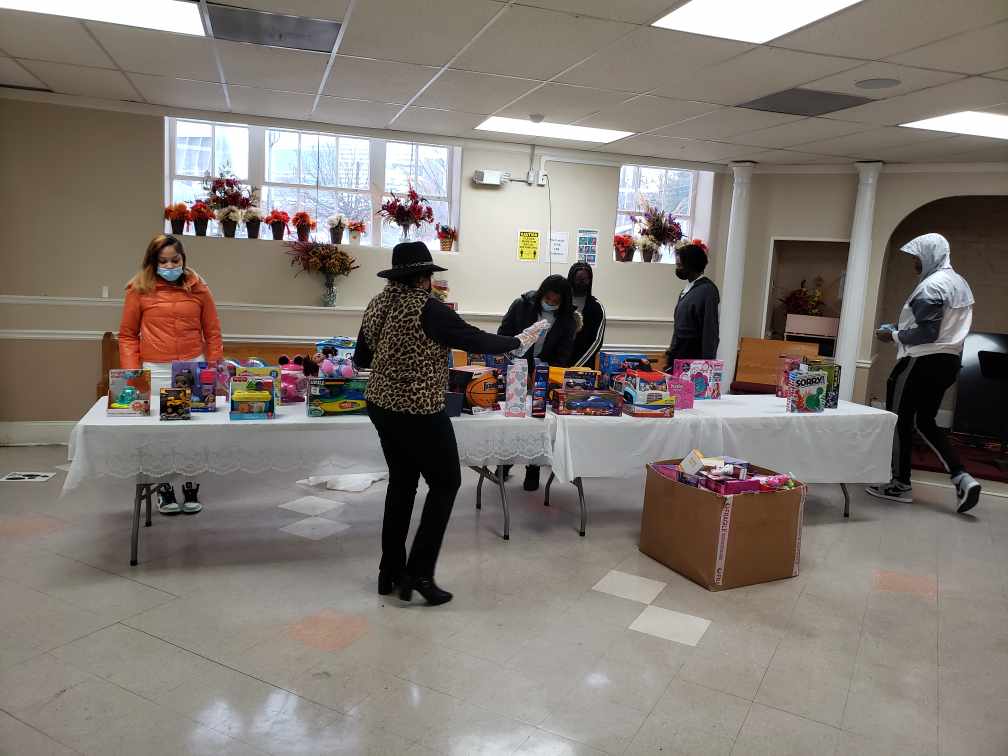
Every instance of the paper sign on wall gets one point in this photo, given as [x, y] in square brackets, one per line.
[587, 242]
[528, 246]
[559, 246]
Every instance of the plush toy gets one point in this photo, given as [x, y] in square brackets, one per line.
[293, 382]
[310, 367]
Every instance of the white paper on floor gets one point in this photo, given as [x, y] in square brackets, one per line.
[354, 483]
[315, 528]
[673, 626]
[312, 505]
[26, 477]
[632, 587]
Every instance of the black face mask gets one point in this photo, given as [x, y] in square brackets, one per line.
[682, 274]
[581, 290]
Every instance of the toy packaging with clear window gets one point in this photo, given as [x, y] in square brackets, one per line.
[516, 389]
[175, 403]
[342, 346]
[201, 378]
[646, 389]
[705, 375]
[328, 397]
[598, 403]
[293, 384]
[540, 387]
[252, 398]
[129, 392]
[807, 391]
[272, 373]
[582, 378]
[615, 363]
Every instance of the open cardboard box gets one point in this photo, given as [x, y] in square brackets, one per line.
[719, 541]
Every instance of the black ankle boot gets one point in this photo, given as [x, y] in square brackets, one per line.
[386, 583]
[426, 587]
[531, 478]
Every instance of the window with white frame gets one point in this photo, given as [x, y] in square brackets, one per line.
[671, 190]
[318, 172]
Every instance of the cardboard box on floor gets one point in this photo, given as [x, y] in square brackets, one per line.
[722, 541]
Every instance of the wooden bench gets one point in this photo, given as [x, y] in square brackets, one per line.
[758, 363]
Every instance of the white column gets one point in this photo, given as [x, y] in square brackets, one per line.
[856, 277]
[734, 269]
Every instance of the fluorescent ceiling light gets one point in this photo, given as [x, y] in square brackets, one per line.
[748, 20]
[552, 130]
[163, 15]
[971, 122]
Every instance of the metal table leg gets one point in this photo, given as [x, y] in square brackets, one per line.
[584, 506]
[548, 484]
[846, 500]
[149, 497]
[135, 533]
[497, 478]
[479, 487]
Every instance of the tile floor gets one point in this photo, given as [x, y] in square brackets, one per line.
[255, 628]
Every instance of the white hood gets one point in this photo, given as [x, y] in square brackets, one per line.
[938, 279]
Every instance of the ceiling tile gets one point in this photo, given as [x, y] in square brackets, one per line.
[473, 92]
[81, 80]
[268, 102]
[647, 112]
[13, 75]
[792, 157]
[563, 103]
[631, 11]
[345, 112]
[538, 44]
[155, 52]
[973, 93]
[328, 10]
[754, 74]
[376, 80]
[799, 132]
[945, 149]
[680, 149]
[725, 123]
[876, 29]
[180, 93]
[43, 37]
[428, 33]
[271, 67]
[869, 144]
[649, 57]
[973, 52]
[912, 79]
[434, 121]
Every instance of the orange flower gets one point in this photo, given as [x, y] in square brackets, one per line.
[303, 219]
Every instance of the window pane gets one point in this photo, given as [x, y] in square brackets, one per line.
[354, 164]
[231, 150]
[351, 204]
[281, 198]
[398, 166]
[624, 225]
[677, 191]
[193, 143]
[432, 171]
[651, 182]
[187, 191]
[392, 235]
[328, 160]
[309, 158]
[282, 156]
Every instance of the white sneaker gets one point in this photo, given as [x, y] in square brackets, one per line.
[967, 492]
[893, 491]
[167, 503]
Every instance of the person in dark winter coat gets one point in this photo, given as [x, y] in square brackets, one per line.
[695, 327]
[588, 341]
[554, 302]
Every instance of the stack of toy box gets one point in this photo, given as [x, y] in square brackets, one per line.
[328, 397]
[705, 375]
[582, 378]
[129, 392]
[616, 363]
[252, 398]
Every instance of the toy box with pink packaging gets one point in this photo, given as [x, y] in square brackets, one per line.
[705, 375]
[516, 389]
[682, 390]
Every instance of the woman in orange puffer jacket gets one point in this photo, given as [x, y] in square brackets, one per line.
[169, 314]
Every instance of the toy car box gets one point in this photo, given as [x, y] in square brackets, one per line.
[175, 403]
[252, 398]
[807, 391]
[646, 389]
[129, 392]
[705, 375]
[582, 378]
[613, 363]
[641, 410]
[272, 373]
[540, 388]
[201, 378]
[328, 397]
[599, 403]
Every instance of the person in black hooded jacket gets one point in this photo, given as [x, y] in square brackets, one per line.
[588, 341]
[695, 324]
[552, 301]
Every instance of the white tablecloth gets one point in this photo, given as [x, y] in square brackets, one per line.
[124, 447]
[850, 443]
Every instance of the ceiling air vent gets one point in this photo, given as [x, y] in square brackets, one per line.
[273, 29]
[805, 102]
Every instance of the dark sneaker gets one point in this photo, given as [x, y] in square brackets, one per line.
[531, 479]
[967, 492]
[190, 498]
[893, 491]
[167, 503]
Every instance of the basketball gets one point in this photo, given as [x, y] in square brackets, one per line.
[482, 391]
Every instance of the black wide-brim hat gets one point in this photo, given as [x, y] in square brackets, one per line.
[410, 259]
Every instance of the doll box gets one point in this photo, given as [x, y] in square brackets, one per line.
[175, 403]
[705, 375]
[129, 392]
[598, 403]
[682, 390]
[516, 389]
[252, 398]
[332, 397]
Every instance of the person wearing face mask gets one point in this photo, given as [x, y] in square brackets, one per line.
[553, 301]
[588, 342]
[168, 314]
[695, 326]
[933, 325]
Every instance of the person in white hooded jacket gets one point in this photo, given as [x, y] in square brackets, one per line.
[933, 325]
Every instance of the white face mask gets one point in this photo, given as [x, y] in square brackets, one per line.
[549, 308]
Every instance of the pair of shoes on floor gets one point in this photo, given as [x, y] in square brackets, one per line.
[531, 479]
[168, 504]
[894, 490]
[967, 492]
[426, 587]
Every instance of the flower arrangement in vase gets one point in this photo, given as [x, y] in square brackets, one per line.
[229, 218]
[327, 259]
[336, 222]
[357, 229]
[658, 226]
[801, 301]
[278, 222]
[407, 212]
[649, 248]
[253, 218]
[447, 236]
[178, 215]
[201, 214]
[624, 245]
[303, 224]
[225, 190]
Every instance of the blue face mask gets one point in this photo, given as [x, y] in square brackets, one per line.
[549, 308]
[170, 274]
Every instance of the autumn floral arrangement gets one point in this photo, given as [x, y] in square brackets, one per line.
[656, 228]
[624, 245]
[327, 259]
[201, 214]
[802, 301]
[447, 236]
[303, 224]
[408, 211]
[178, 215]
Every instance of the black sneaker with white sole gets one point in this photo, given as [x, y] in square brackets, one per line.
[967, 492]
[892, 491]
[190, 498]
[167, 503]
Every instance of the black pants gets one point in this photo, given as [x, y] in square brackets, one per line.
[914, 392]
[416, 445]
